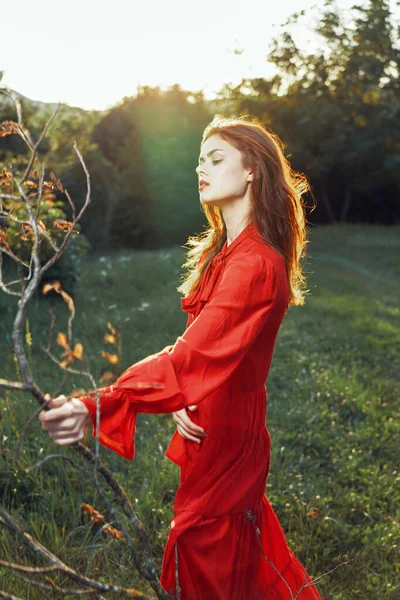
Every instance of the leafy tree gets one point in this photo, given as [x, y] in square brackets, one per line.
[337, 108]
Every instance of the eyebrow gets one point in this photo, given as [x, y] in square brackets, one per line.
[201, 159]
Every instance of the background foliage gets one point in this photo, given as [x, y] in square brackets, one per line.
[336, 110]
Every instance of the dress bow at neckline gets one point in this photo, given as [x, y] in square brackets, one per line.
[195, 301]
[205, 287]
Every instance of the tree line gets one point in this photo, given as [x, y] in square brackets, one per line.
[336, 110]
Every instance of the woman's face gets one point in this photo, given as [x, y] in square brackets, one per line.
[221, 169]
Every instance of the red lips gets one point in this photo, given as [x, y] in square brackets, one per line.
[202, 183]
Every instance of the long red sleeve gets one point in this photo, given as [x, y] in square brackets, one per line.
[200, 361]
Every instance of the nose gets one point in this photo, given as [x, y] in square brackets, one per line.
[199, 170]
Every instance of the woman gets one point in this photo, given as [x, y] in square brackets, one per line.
[244, 273]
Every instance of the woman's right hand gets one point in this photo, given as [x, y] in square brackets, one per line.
[186, 427]
[66, 421]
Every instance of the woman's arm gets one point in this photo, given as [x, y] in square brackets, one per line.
[200, 361]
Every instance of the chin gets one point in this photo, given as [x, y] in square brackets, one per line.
[210, 200]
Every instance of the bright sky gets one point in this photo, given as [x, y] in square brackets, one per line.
[91, 54]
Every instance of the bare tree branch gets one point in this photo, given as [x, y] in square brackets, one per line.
[75, 220]
[36, 146]
[146, 568]
[7, 596]
[59, 565]
[14, 385]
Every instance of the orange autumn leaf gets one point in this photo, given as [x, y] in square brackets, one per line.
[110, 339]
[31, 184]
[41, 225]
[6, 178]
[48, 185]
[62, 224]
[8, 128]
[71, 355]
[46, 288]
[111, 328]
[3, 239]
[96, 517]
[56, 286]
[57, 182]
[67, 299]
[86, 508]
[78, 351]
[94, 514]
[112, 532]
[62, 340]
[26, 232]
[112, 358]
[107, 377]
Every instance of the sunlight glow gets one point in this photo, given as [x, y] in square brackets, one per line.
[92, 54]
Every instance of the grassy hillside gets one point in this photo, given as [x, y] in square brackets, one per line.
[333, 394]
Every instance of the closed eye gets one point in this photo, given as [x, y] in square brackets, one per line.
[214, 162]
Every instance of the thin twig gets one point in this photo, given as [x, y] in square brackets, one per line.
[36, 146]
[57, 255]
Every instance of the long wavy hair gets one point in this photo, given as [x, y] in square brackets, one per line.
[277, 206]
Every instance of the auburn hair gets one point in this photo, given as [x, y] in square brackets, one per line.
[277, 206]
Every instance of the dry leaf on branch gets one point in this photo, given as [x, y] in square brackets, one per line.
[62, 340]
[78, 351]
[108, 377]
[31, 184]
[68, 300]
[110, 339]
[71, 355]
[112, 358]
[57, 183]
[63, 224]
[56, 286]
[111, 328]
[96, 517]
[8, 128]
[112, 532]
[94, 514]
[3, 239]
[48, 186]
[6, 179]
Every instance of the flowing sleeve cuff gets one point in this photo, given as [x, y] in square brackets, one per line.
[117, 429]
[176, 451]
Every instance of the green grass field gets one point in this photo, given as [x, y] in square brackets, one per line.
[333, 393]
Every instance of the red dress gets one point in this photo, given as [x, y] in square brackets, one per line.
[229, 542]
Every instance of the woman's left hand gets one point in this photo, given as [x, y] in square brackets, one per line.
[186, 427]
